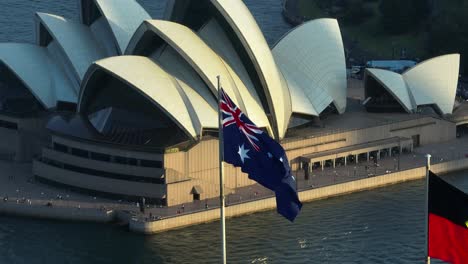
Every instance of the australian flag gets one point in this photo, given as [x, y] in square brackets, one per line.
[258, 155]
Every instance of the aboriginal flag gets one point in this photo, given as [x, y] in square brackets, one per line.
[448, 221]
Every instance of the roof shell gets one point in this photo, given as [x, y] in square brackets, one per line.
[437, 80]
[151, 81]
[75, 39]
[395, 84]
[207, 64]
[122, 16]
[431, 82]
[33, 66]
[311, 58]
[246, 28]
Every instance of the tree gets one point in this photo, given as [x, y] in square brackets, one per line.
[401, 16]
[355, 12]
[448, 33]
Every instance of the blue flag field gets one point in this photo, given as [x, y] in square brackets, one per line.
[258, 155]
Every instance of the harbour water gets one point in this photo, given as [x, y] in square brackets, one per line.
[17, 16]
[379, 226]
[384, 225]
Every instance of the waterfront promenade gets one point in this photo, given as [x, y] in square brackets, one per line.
[22, 195]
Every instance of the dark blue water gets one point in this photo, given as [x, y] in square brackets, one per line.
[379, 226]
[385, 225]
[17, 16]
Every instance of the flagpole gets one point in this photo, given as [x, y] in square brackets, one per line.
[221, 174]
[428, 168]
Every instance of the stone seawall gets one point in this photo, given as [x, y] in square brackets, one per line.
[56, 213]
[305, 196]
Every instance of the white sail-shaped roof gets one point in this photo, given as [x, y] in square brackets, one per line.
[432, 82]
[436, 81]
[178, 101]
[311, 58]
[75, 39]
[395, 84]
[247, 30]
[34, 67]
[122, 16]
[213, 35]
[206, 63]
[240, 27]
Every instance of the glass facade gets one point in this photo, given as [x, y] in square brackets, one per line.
[15, 98]
[120, 114]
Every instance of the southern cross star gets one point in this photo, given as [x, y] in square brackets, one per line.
[243, 153]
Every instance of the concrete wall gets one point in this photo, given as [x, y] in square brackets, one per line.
[309, 195]
[58, 213]
[430, 130]
[198, 166]
[102, 165]
[110, 150]
[23, 144]
[9, 143]
[201, 161]
[101, 184]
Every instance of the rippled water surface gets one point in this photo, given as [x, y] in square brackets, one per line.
[17, 16]
[379, 226]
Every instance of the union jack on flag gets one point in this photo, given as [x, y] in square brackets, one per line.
[234, 117]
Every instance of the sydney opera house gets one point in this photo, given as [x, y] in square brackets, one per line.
[122, 105]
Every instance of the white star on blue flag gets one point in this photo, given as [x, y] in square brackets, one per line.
[243, 153]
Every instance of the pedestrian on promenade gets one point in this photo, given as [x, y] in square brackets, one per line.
[183, 207]
[206, 205]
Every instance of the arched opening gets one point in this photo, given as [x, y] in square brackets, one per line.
[123, 115]
[15, 97]
[378, 99]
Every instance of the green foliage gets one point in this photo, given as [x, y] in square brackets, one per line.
[448, 32]
[400, 16]
[355, 12]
